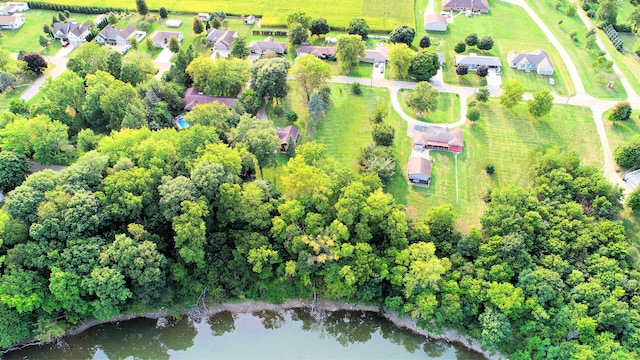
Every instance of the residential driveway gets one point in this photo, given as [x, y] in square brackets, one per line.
[163, 62]
[60, 67]
[494, 82]
[65, 51]
[378, 72]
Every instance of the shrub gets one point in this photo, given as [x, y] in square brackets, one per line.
[143, 25]
[278, 110]
[462, 69]
[460, 47]
[473, 113]
[620, 112]
[163, 12]
[291, 116]
[490, 169]
[482, 71]
[633, 200]
[573, 35]
[627, 154]
[471, 102]
[425, 42]
[356, 88]
[482, 95]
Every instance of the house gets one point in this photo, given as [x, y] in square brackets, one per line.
[435, 22]
[221, 39]
[419, 170]
[100, 18]
[286, 133]
[204, 16]
[259, 47]
[250, 20]
[438, 138]
[474, 61]
[537, 60]
[161, 38]
[115, 36]
[193, 97]
[379, 55]
[321, 52]
[19, 6]
[173, 23]
[71, 31]
[6, 10]
[475, 6]
[12, 22]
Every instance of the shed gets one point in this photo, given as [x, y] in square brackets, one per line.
[173, 23]
[250, 20]
[419, 170]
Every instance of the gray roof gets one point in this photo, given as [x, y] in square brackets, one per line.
[111, 33]
[71, 28]
[473, 59]
[259, 46]
[453, 137]
[164, 36]
[435, 18]
[317, 50]
[537, 57]
[419, 165]
[471, 4]
[220, 35]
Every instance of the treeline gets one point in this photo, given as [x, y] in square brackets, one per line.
[73, 8]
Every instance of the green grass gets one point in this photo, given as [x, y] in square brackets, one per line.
[380, 14]
[511, 29]
[595, 82]
[510, 141]
[448, 108]
[26, 37]
[627, 63]
[619, 131]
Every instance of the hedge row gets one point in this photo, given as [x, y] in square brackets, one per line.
[72, 8]
[270, 32]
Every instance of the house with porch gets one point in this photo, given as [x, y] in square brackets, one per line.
[286, 133]
[379, 55]
[321, 52]
[419, 170]
[193, 97]
[537, 60]
[115, 36]
[474, 6]
[12, 22]
[438, 138]
[161, 38]
[71, 31]
[269, 44]
[473, 61]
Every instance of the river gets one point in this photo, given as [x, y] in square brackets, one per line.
[287, 334]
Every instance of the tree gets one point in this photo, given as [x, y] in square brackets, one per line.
[482, 71]
[148, 42]
[13, 170]
[299, 17]
[571, 10]
[239, 48]
[473, 113]
[425, 42]
[462, 69]
[380, 113]
[607, 12]
[89, 58]
[311, 74]
[112, 18]
[460, 47]
[5, 59]
[19, 107]
[541, 104]
[215, 23]
[359, 26]
[319, 27]
[471, 39]
[424, 65]
[252, 101]
[348, 50]
[512, 92]
[627, 154]
[114, 63]
[482, 95]
[264, 143]
[400, 58]
[35, 63]
[298, 34]
[382, 134]
[174, 45]
[7, 81]
[633, 200]
[634, 18]
[423, 98]
[198, 27]
[222, 77]
[620, 112]
[142, 7]
[269, 78]
[486, 43]
[163, 12]
[402, 34]
[43, 41]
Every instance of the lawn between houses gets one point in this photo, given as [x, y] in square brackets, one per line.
[380, 14]
[511, 29]
[595, 82]
[448, 110]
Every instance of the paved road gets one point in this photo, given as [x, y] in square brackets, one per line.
[34, 88]
[163, 62]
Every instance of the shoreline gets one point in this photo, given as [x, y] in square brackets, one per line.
[247, 306]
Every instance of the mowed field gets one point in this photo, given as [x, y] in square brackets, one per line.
[380, 14]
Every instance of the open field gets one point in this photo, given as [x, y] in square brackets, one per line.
[627, 63]
[26, 37]
[511, 29]
[595, 82]
[510, 141]
[448, 108]
[380, 14]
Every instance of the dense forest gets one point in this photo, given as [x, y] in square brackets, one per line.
[151, 218]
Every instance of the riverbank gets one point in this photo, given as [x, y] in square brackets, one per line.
[406, 322]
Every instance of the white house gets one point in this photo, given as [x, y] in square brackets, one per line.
[161, 38]
[71, 31]
[12, 22]
[204, 16]
[379, 55]
[115, 36]
[473, 61]
[435, 22]
[537, 60]
[20, 6]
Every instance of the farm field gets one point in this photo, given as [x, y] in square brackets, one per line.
[448, 108]
[595, 82]
[511, 29]
[380, 14]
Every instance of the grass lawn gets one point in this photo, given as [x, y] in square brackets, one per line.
[627, 63]
[595, 82]
[5, 98]
[619, 131]
[510, 141]
[448, 108]
[511, 29]
[380, 14]
[26, 37]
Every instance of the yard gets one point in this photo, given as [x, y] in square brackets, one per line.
[595, 81]
[619, 131]
[448, 108]
[380, 14]
[511, 29]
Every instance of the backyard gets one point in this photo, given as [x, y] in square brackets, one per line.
[448, 108]
[380, 14]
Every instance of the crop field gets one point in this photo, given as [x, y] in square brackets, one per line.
[380, 14]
